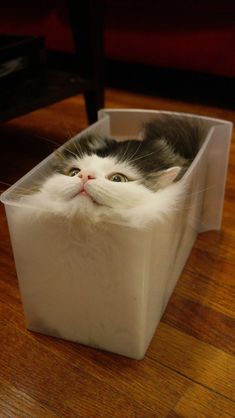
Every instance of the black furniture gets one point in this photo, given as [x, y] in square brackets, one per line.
[26, 80]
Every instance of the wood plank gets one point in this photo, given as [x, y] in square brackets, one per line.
[218, 245]
[153, 386]
[209, 291]
[196, 360]
[210, 281]
[69, 390]
[170, 347]
[201, 322]
[199, 402]
[56, 122]
[17, 404]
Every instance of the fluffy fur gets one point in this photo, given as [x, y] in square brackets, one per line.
[150, 167]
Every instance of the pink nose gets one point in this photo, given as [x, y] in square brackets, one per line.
[85, 177]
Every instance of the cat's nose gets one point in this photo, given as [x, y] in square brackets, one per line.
[85, 177]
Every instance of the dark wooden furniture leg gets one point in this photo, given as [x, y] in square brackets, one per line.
[87, 26]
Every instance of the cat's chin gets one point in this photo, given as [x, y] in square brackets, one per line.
[82, 205]
[83, 194]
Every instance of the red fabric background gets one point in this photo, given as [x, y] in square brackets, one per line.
[199, 38]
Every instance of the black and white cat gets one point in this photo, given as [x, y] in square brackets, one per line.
[84, 275]
[134, 182]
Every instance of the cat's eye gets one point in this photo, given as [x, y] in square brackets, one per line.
[118, 177]
[73, 172]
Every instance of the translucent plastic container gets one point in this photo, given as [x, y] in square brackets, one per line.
[109, 288]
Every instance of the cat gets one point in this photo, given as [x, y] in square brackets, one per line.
[134, 182]
[95, 261]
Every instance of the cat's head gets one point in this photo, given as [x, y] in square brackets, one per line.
[106, 178]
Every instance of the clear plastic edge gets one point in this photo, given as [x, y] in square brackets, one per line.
[104, 114]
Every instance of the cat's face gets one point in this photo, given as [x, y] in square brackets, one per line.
[104, 180]
[90, 182]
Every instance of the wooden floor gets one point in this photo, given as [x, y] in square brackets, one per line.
[189, 370]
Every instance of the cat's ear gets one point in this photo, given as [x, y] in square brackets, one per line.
[161, 179]
[167, 177]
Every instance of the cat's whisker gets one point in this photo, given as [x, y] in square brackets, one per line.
[47, 140]
[132, 156]
[69, 132]
[67, 150]
[187, 210]
[4, 182]
[71, 152]
[143, 156]
[23, 190]
[36, 186]
[189, 216]
[125, 151]
[78, 148]
[201, 191]
[57, 144]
